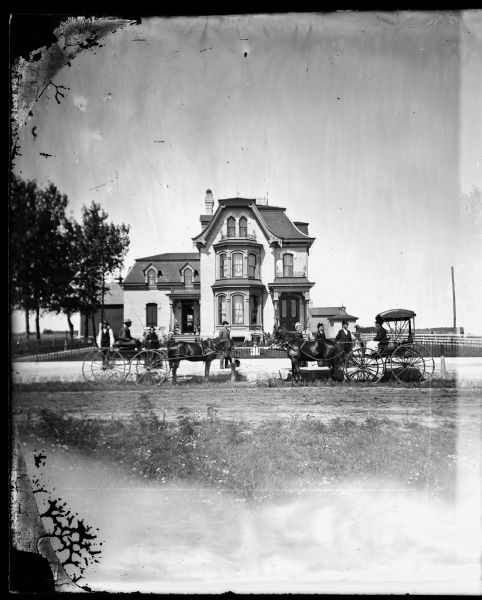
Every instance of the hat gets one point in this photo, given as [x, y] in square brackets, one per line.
[127, 321]
[344, 322]
[378, 320]
[224, 323]
[296, 324]
[320, 325]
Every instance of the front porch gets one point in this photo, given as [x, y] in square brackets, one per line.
[184, 312]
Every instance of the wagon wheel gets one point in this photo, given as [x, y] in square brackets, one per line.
[149, 367]
[407, 364]
[363, 364]
[105, 365]
[428, 360]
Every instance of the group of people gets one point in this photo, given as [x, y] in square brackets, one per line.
[344, 335]
[105, 338]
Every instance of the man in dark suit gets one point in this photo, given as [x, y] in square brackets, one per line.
[344, 336]
[224, 339]
[381, 336]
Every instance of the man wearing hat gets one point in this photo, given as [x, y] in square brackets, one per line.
[344, 336]
[224, 339]
[125, 338]
[105, 337]
[320, 332]
[381, 335]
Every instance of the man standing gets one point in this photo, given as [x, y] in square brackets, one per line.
[224, 339]
[344, 336]
[105, 337]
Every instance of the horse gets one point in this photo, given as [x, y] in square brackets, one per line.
[326, 352]
[202, 350]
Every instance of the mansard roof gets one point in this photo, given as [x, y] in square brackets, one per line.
[273, 220]
[170, 264]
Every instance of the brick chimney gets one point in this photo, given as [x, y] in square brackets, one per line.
[209, 202]
[209, 205]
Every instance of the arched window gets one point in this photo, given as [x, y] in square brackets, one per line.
[221, 309]
[287, 265]
[251, 265]
[151, 315]
[237, 303]
[188, 278]
[151, 277]
[254, 310]
[223, 265]
[243, 227]
[231, 227]
[237, 264]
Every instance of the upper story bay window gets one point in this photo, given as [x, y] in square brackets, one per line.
[231, 227]
[222, 316]
[287, 265]
[237, 304]
[237, 264]
[251, 265]
[243, 227]
[223, 266]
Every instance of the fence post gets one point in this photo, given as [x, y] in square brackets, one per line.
[443, 370]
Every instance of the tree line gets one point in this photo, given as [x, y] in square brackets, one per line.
[56, 263]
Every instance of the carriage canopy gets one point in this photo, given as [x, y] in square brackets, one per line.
[396, 314]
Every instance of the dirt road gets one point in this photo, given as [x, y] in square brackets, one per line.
[255, 404]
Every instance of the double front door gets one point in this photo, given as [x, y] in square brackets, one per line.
[289, 310]
[187, 317]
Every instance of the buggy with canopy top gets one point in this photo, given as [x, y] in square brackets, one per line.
[401, 359]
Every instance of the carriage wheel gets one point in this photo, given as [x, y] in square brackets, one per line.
[104, 365]
[428, 360]
[149, 367]
[407, 364]
[363, 364]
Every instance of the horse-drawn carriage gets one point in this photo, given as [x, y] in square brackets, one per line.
[401, 360]
[152, 365]
[126, 363]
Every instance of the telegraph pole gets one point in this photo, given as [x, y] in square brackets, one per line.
[453, 298]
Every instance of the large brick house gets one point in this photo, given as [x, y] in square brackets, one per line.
[251, 269]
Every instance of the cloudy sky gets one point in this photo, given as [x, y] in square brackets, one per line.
[366, 125]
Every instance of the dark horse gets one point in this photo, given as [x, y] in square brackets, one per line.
[203, 350]
[327, 353]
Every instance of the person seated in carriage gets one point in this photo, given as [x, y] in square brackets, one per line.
[320, 332]
[150, 338]
[380, 341]
[125, 339]
[304, 334]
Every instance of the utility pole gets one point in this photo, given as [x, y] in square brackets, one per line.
[453, 298]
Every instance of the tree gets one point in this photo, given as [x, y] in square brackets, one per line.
[36, 224]
[102, 248]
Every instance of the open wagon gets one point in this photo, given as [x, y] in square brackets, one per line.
[147, 366]
[402, 360]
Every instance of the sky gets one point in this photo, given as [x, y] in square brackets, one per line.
[366, 125]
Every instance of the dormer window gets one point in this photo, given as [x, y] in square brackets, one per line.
[231, 227]
[188, 278]
[243, 227]
[151, 277]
